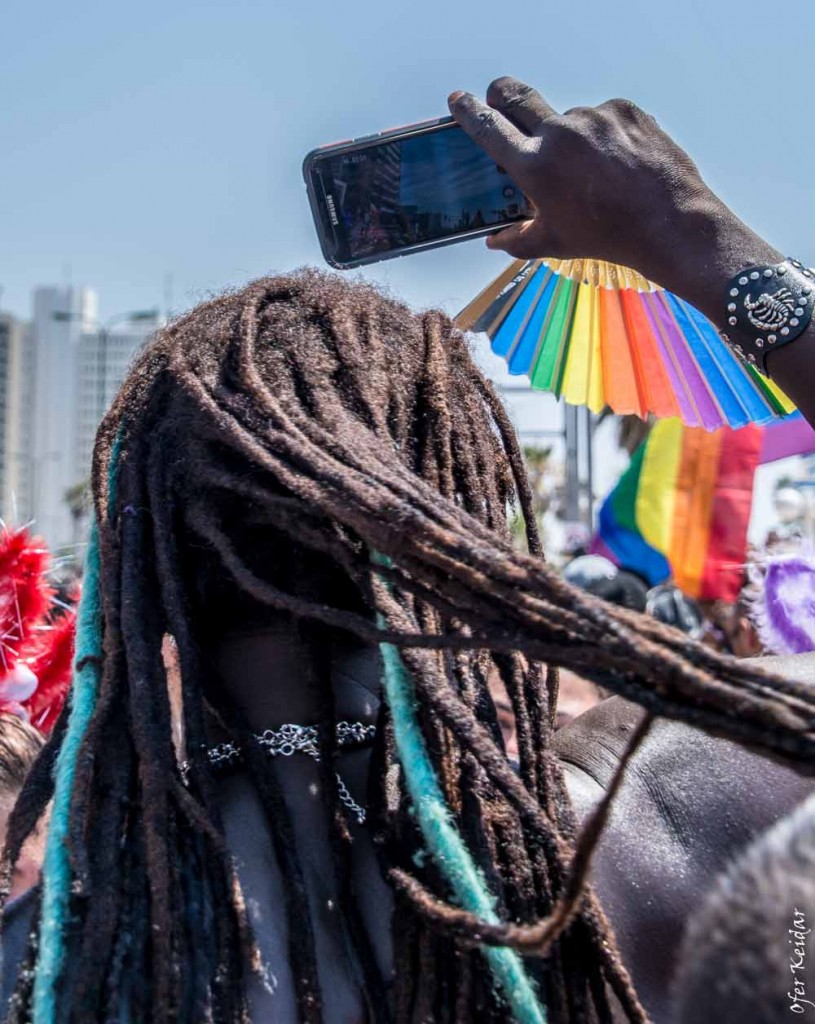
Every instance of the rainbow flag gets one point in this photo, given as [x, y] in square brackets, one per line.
[790, 436]
[682, 507]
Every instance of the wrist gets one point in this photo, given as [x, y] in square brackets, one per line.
[710, 246]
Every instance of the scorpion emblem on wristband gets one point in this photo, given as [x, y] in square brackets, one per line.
[768, 307]
[772, 312]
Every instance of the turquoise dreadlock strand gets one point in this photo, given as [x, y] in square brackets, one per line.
[56, 869]
[445, 843]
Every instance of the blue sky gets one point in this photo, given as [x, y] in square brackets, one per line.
[166, 138]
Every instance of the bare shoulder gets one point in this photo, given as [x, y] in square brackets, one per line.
[689, 804]
[594, 742]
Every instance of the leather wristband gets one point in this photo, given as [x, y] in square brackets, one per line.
[768, 307]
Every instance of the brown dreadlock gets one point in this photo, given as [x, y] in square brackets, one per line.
[339, 424]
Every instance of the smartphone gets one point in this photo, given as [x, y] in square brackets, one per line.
[406, 190]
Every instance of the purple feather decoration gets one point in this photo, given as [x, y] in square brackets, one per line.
[783, 604]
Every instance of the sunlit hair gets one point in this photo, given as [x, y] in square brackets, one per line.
[310, 448]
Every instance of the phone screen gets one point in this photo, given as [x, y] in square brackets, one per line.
[412, 191]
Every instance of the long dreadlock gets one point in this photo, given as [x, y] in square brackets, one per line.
[342, 462]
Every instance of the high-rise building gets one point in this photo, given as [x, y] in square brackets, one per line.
[16, 381]
[72, 367]
[61, 315]
[104, 359]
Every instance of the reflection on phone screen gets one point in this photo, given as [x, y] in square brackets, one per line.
[418, 189]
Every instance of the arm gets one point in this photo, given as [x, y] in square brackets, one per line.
[689, 804]
[608, 183]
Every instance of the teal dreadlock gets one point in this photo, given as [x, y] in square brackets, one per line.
[56, 869]
[443, 839]
[274, 438]
[440, 833]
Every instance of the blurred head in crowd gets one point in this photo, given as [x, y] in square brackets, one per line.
[20, 743]
[576, 540]
[730, 629]
[626, 590]
[586, 571]
[599, 576]
[666, 603]
[790, 528]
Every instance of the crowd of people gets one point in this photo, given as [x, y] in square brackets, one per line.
[336, 747]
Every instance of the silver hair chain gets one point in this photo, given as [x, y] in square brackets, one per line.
[293, 739]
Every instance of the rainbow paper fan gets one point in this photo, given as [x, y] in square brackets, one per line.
[600, 335]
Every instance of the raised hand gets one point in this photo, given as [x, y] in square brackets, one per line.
[607, 183]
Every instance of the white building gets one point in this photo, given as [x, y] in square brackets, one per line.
[60, 316]
[76, 365]
[104, 359]
[16, 381]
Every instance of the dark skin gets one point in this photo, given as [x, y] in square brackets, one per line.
[249, 665]
[265, 672]
[608, 183]
[688, 805]
[690, 802]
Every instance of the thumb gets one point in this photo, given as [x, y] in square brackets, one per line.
[524, 240]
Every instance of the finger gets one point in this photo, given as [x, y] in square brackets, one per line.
[490, 129]
[624, 110]
[631, 113]
[520, 103]
[522, 240]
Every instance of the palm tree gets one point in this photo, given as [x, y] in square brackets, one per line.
[540, 483]
[537, 467]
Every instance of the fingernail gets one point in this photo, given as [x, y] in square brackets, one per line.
[454, 97]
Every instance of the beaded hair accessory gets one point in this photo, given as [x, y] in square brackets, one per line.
[293, 739]
[768, 307]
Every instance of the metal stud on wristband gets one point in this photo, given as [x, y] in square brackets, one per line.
[768, 307]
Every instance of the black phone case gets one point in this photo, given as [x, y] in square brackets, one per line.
[352, 145]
